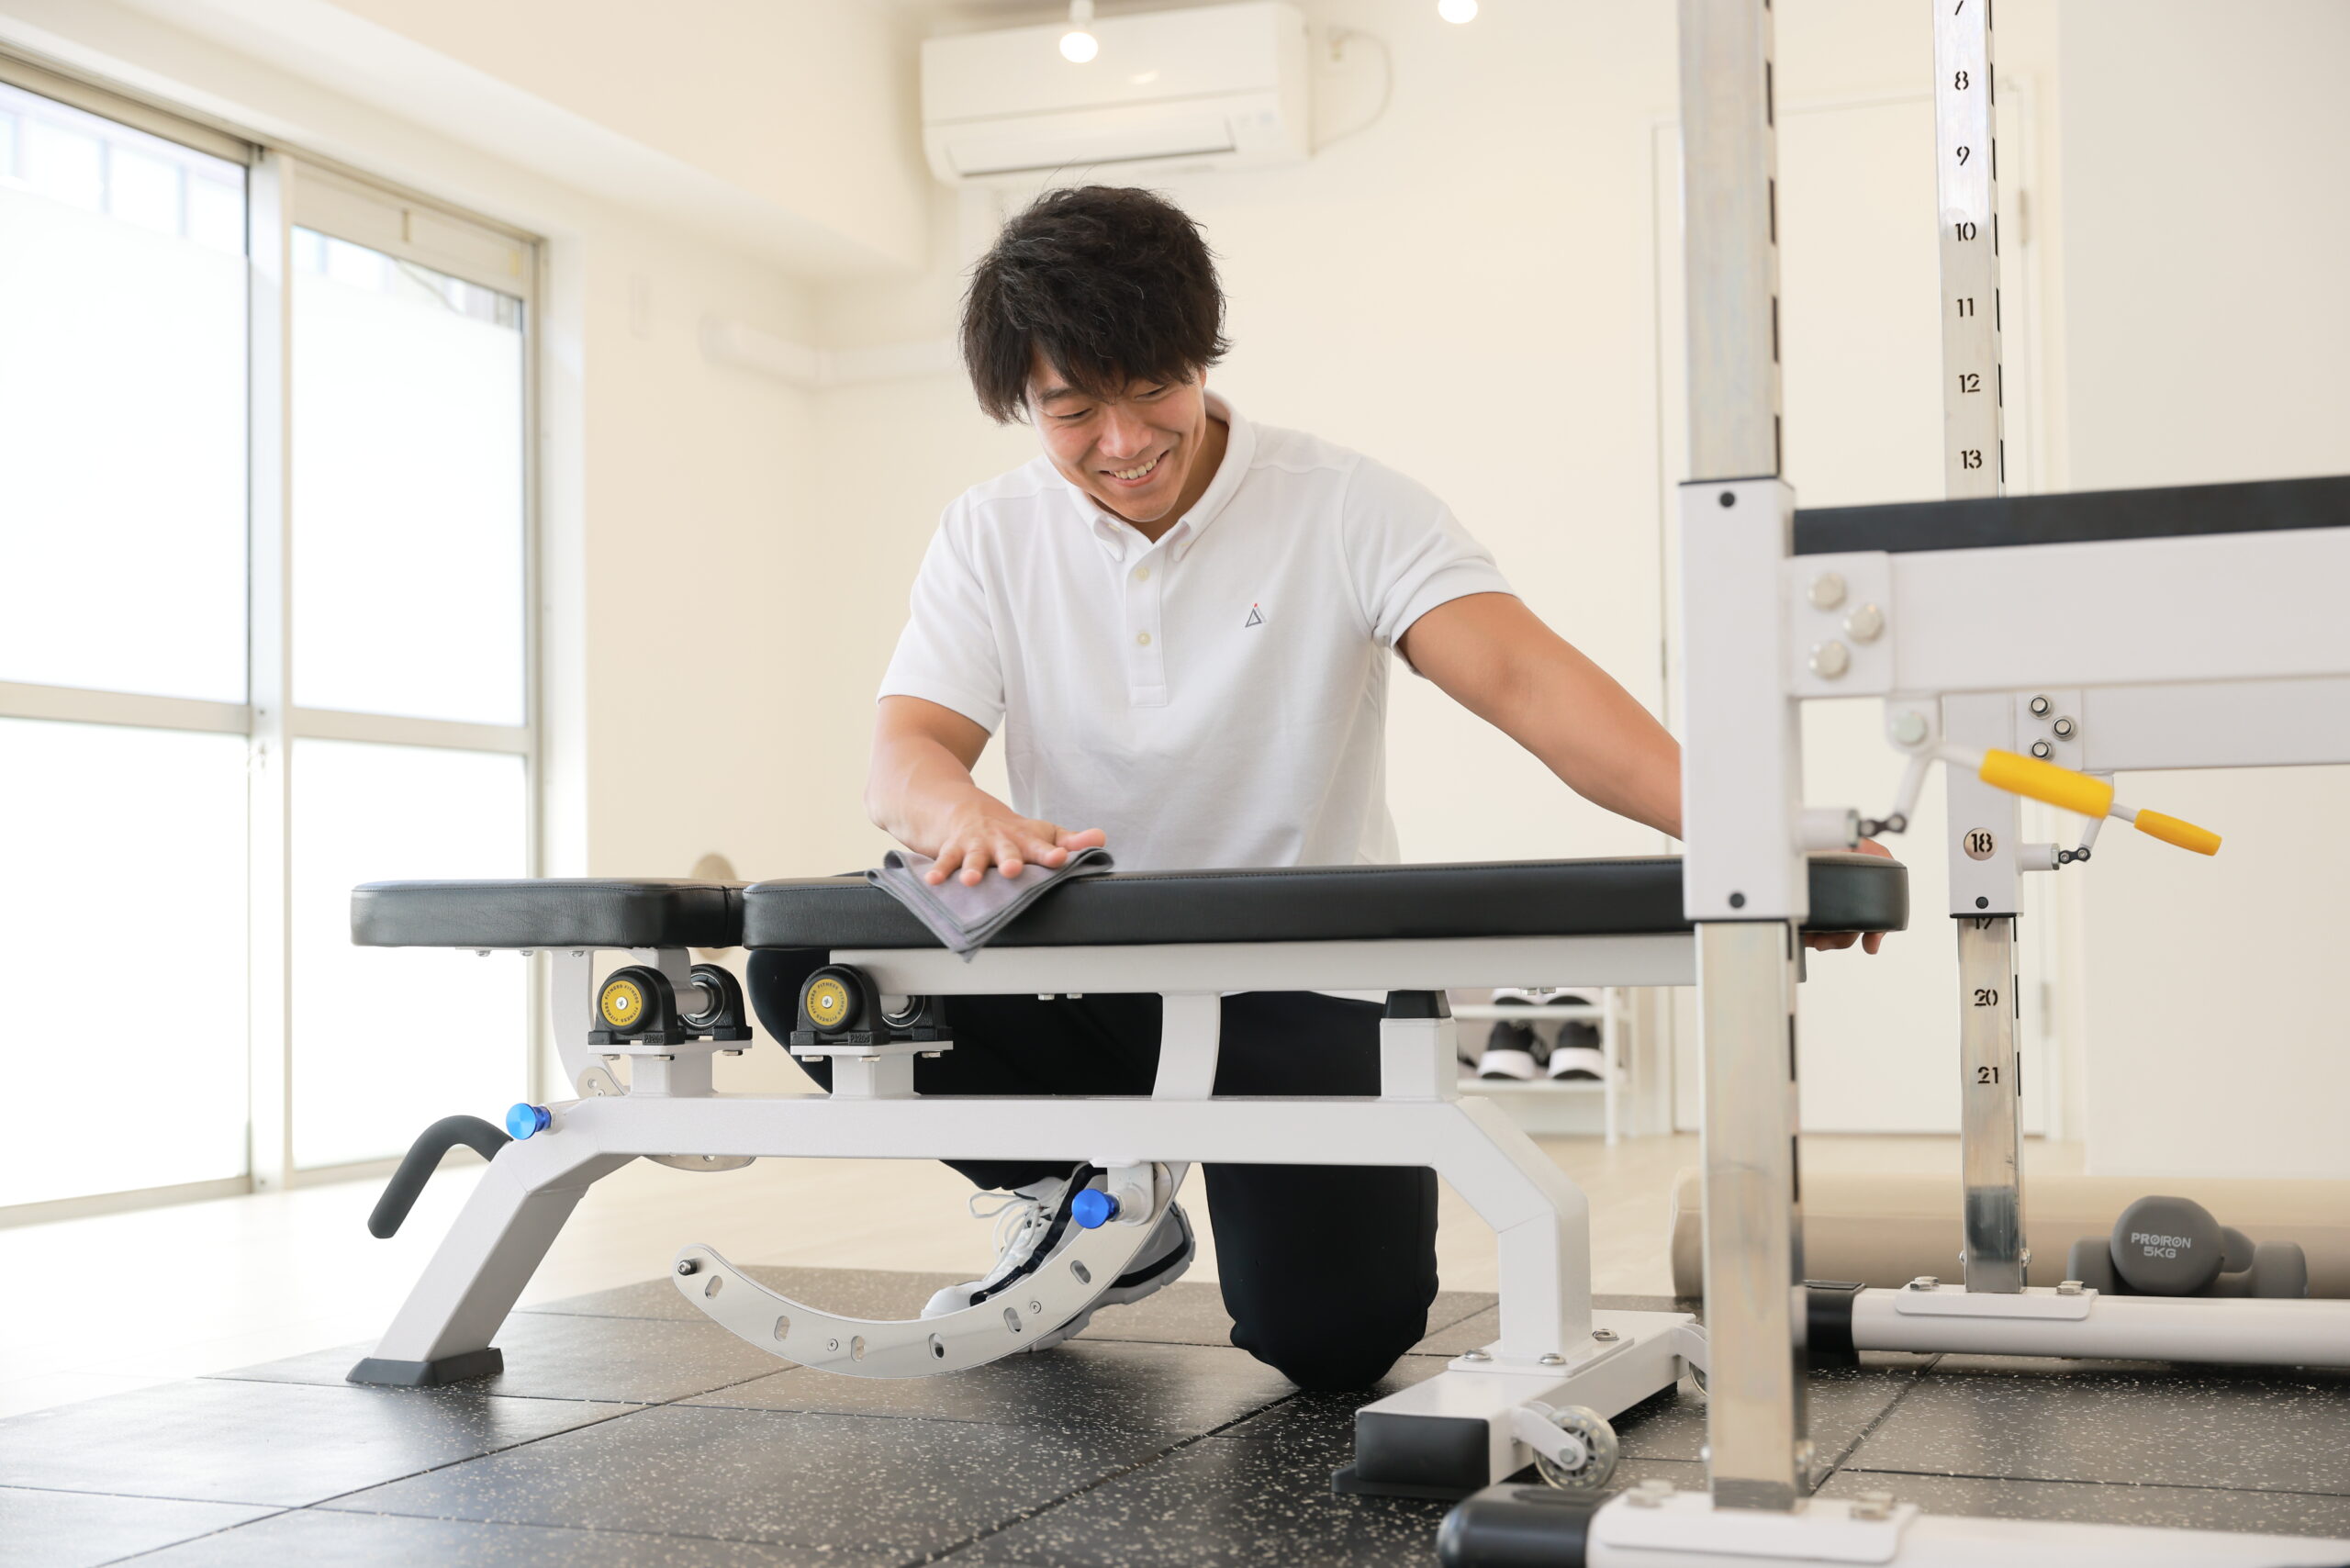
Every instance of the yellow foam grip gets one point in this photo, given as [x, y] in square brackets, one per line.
[2170, 830]
[2038, 780]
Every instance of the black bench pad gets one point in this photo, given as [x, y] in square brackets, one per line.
[548, 912]
[1630, 896]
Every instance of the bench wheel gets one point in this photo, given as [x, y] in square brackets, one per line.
[1599, 1446]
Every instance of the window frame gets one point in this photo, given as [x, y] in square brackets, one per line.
[285, 189]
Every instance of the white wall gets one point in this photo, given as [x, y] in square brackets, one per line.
[2207, 151]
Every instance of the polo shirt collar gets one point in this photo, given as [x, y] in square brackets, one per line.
[1239, 451]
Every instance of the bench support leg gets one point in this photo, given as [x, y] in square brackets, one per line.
[442, 1332]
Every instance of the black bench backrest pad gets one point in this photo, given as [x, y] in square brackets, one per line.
[1628, 896]
[548, 912]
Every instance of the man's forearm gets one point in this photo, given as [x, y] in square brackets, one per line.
[913, 789]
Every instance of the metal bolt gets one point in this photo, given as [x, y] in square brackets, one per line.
[1605, 1336]
[2040, 707]
[687, 1266]
[2070, 1287]
[1552, 1359]
[1872, 1505]
[1865, 624]
[1475, 1356]
[2042, 749]
[2062, 729]
[1827, 590]
[1830, 660]
[1908, 727]
[1925, 1282]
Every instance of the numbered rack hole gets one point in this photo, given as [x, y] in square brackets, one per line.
[717, 1283]
[1011, 1320]
[1084, 1275]
[938, 1347]
[857, 1349]
[782, 1327]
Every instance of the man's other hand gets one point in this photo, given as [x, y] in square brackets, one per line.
[1829, 941]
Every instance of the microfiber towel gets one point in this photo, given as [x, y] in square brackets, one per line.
[968, 919]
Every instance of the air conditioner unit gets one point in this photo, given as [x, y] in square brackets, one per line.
[1220, 87]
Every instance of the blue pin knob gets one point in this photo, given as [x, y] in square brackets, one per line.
[1093, 1208]
[524, 1119]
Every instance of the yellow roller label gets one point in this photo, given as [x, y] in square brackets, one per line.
[2170, 830]
[623, 1003]
[2038, 780]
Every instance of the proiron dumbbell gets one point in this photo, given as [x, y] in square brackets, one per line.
[2172, 1247]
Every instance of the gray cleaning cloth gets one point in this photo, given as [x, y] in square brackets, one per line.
[968, 919]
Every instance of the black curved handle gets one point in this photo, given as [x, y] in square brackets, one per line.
[423, 1158]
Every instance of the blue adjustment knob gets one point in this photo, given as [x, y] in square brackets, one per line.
[524, 1119]
[1093, 1208]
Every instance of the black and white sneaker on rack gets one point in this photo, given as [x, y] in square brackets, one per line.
[1032, 1219]
[1515, 1051]
[1576, 1053]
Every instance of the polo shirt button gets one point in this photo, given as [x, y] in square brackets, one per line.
[1141, 575]
[1143, 638]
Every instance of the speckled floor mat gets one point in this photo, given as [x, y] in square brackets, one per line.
[629, 1432]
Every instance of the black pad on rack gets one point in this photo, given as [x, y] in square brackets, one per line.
[548, 912]
[1631, 896]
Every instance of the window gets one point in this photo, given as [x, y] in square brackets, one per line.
[264, 503]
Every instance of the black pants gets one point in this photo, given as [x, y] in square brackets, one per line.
[1328, 1269]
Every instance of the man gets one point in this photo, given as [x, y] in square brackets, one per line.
[1181, 620]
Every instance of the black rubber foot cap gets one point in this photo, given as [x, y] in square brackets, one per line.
[463, 1367]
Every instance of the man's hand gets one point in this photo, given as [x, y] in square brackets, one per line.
[919, 791]
[1829, 941]
[982, 831]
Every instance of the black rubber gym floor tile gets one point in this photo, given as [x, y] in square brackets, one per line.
[223, 1440]
[853, 1484]
[1326, 1421]
[2167, 1508]
[1174, 1390]
[81, 1529]
[1190, 1311]
[1842, 1403]
[2138, 1424]
[317, 1538]
[1218, 1501]
[849, 1293]
[1228, 1500]
[1483, 1326]
[635, 1361]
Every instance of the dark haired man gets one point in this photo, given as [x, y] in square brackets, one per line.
[1181, 620]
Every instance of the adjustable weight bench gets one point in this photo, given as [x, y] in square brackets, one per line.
[1541, 1392]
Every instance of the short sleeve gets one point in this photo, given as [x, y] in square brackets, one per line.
[1408, 553]
[947, 653]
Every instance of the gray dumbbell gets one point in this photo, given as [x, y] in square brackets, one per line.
[2164, 1246]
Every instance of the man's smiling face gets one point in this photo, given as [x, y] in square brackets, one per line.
[1132, 452]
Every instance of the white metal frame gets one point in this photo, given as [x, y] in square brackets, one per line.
[1553, 1349]
[2164, 613]
[284, 189]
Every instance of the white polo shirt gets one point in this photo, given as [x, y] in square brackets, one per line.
[1218, 697]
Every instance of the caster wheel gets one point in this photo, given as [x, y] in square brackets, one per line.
[831, 1000]
[1600, 1451]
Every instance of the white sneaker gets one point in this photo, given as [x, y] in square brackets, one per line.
[1025, 1220]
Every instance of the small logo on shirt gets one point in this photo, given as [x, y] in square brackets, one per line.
[1255, 618]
